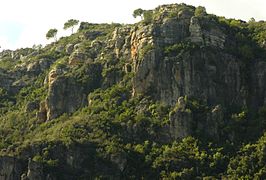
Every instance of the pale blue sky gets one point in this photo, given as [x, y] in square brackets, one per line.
[25, 22]
[11, 30]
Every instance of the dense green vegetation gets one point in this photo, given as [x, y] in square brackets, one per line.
[119, 135]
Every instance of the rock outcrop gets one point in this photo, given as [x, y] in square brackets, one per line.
[206, 72]
[181, 121]
[215, 121]
[211, 37]
[66, 93]
[65, 96]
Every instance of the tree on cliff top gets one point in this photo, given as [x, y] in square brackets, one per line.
[51, 34]
[71, 23]
[138, 12]
[200, 11]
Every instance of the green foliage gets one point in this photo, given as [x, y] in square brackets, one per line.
[88, 75]
[71, 23]
[147, 16]
[145, 50]
[7, 63]
[175, 49]
[180, 159]
[249, 162]
[174, 11]
[138, 12]
[258, 30]
[51, 34]
[200, 11]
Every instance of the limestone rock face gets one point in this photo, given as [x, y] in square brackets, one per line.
[208, 72]
[65, 95]
[211, 37]
[198, 73]
[149, 64]
[191, 74]
[121, 41]
[181, 121]
[38, 67]
[68, 93]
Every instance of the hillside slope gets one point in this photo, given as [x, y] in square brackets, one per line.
[179, 95]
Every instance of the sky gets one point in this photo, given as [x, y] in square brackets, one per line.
[24, 23]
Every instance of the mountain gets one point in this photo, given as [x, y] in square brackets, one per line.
[179, 95]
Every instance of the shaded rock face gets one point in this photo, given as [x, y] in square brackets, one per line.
[42, 113]
[170, 31]
[31, 106]
[259, 79]
[35, 171]
[10, 168]
[66, 94]
[215, 120]
[181, 121]
[74, 162]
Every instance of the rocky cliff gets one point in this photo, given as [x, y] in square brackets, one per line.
[94, 103]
